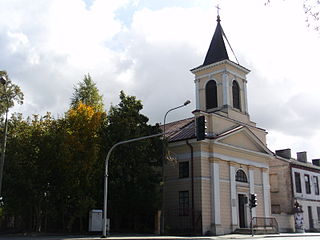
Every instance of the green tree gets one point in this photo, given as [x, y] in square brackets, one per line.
[87, 93]
[134, 168]
[81, 154]
[28, 176]
[9, 94]
[50, 178]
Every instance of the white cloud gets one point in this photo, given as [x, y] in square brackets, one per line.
[48, 46]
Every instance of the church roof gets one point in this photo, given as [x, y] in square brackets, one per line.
[180, 130]
[217, 50]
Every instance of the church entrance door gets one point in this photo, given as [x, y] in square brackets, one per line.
[241, 206]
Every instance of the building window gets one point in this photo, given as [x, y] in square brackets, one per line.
[297, 181]
[211, 95]
[318, 213]
[236, 95]
[316, 185]
[307, 182]
[241, 176]
[183, 169]
[184, 203]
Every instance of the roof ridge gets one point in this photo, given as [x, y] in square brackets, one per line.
[181, 120]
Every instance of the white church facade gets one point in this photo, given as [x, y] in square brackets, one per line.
[207, 186]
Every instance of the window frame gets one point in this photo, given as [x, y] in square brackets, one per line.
[183, 203]
[184, 169]
[241, 176]
[236, 98]
[211, 94]
[307, 183]
[316, 185]
[297, 181]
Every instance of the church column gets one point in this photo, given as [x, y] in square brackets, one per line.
[197, 82]
[266, 192]
[215, 186]
[245, 96]
[233, 196]
[251, 180]
[226, 91]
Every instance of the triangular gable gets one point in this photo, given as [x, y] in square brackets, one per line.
[241, 137]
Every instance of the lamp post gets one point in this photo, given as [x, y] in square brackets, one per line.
[164, 159]
[105, 201]
[4, 81]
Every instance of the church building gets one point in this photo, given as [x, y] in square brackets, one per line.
[207, 183]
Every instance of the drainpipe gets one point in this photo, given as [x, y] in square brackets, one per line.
[192, 186]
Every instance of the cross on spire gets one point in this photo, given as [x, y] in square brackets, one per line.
[218, 9]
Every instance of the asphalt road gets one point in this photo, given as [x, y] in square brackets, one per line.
[305, 236]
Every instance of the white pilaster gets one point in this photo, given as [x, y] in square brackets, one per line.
[233, 194]
[251, 181]
[266, 193]
[197, 94]
[245, 97]
[225, 86]
[215, 193]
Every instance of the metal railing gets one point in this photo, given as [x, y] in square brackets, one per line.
[265, 224]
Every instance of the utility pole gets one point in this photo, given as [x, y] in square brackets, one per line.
[4, 81]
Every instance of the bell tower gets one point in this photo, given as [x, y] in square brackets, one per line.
[221, 84]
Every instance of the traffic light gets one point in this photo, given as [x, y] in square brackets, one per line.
[253, 200]
[201, 128]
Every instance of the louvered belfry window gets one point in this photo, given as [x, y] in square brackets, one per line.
[211, 95]
[236, 95]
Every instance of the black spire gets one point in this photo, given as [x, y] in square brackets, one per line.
[217, 50]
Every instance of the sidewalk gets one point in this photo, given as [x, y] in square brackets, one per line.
[222, 237]
[157, 237]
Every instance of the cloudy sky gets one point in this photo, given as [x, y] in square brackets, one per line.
[147, 47]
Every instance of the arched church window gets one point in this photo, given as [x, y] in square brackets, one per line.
[211, 95]
[236, 95]
[241, 176]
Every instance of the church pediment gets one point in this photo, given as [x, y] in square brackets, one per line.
[241, 137]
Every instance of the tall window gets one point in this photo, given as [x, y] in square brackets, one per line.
[316, 185]
[236, 95]
[184, 203]
[318, 213]
[211, 95]
[183, 169]
[297, 181]
[241, 176]
[307, 182]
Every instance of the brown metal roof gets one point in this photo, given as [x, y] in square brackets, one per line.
[180, 130]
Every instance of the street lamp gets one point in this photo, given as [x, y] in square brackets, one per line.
[164, 159]
[105, 198]
[4, 81]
